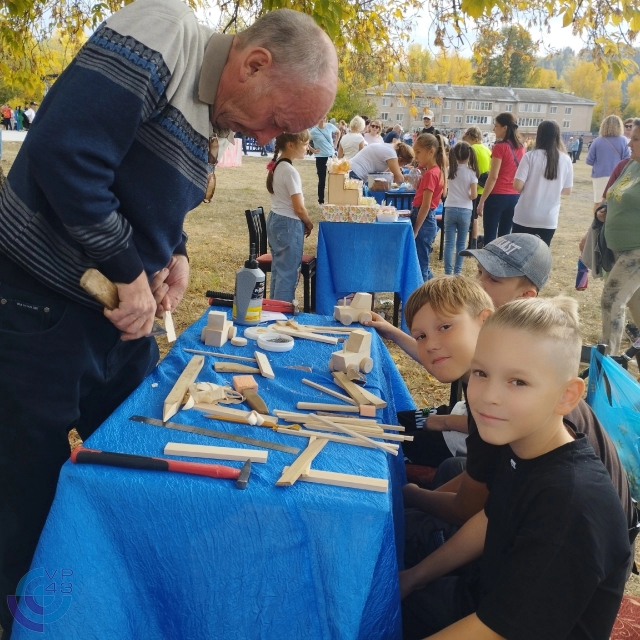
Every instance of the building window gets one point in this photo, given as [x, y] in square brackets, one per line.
[480, 106]
[446, 104]
[508, 107]
[445, 119]
[385, 102]
[399, 116]
[384, 116]
[553, 109]
[419, 102]
[459, 106]
[529, 122]
[567, 111]
[566, 124]
[528, 107]
[458, 119]
[477, 119]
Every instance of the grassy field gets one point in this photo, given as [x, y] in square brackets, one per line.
[218, 246]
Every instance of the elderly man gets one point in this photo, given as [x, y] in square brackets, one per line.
[110, 190]
[394, 134]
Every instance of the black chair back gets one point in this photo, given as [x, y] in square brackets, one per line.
[257, 230]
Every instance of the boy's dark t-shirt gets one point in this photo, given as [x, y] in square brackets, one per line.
[556, 550]
[482, 457]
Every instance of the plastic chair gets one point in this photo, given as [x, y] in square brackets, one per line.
[258, 237]
[399, 199]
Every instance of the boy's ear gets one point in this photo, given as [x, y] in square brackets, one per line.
[530, 292]
[573, 393]
[484, 314]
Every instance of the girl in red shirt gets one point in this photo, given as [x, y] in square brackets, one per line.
[499, 198]
[430, 155]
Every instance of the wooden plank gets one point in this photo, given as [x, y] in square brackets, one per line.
[380, 445]
[331, 392]
[213, 354]
[345, 480]
[217, 453]
[305, 335]
[382, 435]
[218, 410]
[292, 473]
[305, 433]
[366, 397]
[169, 327]
[173, 401]
[232, 367]
[264, 365]
[312, 406]
[303, 416]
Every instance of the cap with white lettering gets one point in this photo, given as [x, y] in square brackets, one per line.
[516, 254]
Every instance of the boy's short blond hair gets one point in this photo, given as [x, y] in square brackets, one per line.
[448, 295]
[552, 318]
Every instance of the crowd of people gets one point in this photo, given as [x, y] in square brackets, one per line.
[18, 119]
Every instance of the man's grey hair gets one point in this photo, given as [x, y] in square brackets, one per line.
[298, 46]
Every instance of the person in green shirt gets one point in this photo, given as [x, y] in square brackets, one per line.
[473, 136]
[622, 233]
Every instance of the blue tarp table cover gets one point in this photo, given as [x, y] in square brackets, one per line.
[365, 257]
[167, 556]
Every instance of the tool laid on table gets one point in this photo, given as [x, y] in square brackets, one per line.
[81, 455]
[254, 442]
[106, 293]
[221, 299]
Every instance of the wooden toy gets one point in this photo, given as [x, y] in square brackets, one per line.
[358, 311]
[356, 353]
[218, 329]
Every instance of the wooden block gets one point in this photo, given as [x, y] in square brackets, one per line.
[362, 301]
[173, 401]
[293, 472]
[214, 337]
[359, 341]
[168, 325]
[305, 433]
[240, 383]
[217, 453]
[255, 401]
[346, 480]
[306, 335]
[313, 406]
[358, 436]
[231, 331]
[239, 342]
[331, 392]
[351, 388]
[216, 320]
[367, 410]
[232, 367]
[264, 365]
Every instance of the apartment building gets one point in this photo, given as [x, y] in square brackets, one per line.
[457, 107]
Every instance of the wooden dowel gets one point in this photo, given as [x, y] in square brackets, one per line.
[380, 445]
[304, 433]
[219, 355]
[331, 392]
[312, 406]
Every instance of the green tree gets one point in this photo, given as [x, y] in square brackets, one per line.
[632, 108]
[513, 61]
[351, 102]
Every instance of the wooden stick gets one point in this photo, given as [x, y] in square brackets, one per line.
[292, 473]
[312, 406]
[311, 327]
[173, 401]
[232, 367]
[304, 416]
[270, 424]
[358, 436]
[305, 335]
[345, 480]
[219, 355]
[264, 365]
[350, 387]
[390, 427]
[372, 433]
[217, 453]
[304, 433]
[217, 410]
[168, 325]
[335, 394]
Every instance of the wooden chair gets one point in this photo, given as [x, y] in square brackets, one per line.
[258, 237]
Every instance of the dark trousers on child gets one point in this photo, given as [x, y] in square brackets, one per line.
[545, 235]
[62, 366]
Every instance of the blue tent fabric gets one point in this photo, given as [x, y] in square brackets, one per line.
[164, 555]
[365, 257]
[614, 396]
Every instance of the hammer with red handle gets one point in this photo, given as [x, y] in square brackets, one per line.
[81, 455]
[220, 299]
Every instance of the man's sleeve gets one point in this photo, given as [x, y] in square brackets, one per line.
[74, 161]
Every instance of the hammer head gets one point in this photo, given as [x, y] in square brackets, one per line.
[243, 478]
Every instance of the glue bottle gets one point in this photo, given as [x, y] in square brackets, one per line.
[247, 298]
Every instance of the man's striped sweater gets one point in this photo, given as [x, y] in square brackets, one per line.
[117, 155]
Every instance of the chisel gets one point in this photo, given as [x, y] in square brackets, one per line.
[81, 455]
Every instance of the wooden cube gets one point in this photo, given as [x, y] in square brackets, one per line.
[240, 383]
[359, 341]
[216, 320]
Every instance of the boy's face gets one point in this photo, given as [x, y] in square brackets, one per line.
[516, 386]
[503, 290]
[446, 342]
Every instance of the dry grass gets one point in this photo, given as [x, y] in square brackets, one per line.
[218, 245]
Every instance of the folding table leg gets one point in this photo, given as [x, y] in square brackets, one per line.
[396, 309]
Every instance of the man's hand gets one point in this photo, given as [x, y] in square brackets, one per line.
[583, 242]
[169, 284]
[601, 213]
[384, 328]
[308, 227]
[437, 423]
[134, 315]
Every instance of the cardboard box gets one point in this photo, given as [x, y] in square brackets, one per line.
[338, 194]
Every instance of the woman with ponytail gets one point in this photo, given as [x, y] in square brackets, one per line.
[430, 155]
[288, 223]
[499, 198]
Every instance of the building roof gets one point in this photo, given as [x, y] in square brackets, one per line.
[470, 92]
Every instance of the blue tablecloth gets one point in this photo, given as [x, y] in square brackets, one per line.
[365, 257]
[170, 556]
